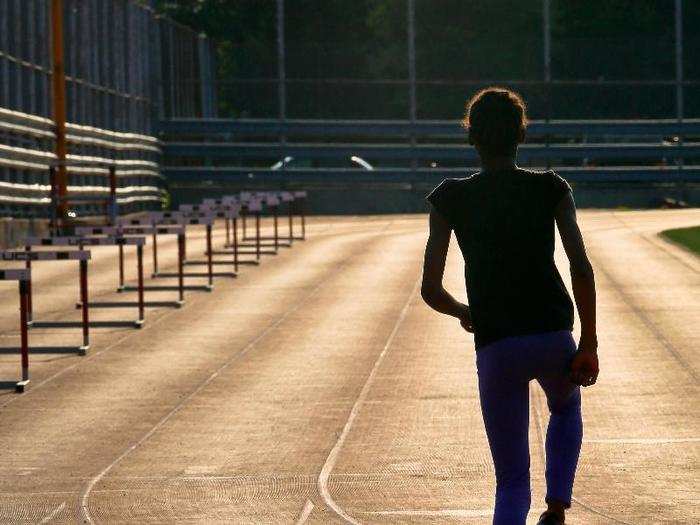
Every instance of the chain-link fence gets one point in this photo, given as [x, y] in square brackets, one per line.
[599, 59]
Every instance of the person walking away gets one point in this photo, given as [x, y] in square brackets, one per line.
[519, 310]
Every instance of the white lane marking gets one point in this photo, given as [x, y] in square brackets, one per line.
[644, 441]
[88, 489]
[53, 514]
[335, 451]
[305, 512]
[452, 513]
[535, 402]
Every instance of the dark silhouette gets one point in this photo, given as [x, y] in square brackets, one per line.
[519, 309]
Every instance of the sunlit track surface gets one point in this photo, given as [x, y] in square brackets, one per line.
[318, 386]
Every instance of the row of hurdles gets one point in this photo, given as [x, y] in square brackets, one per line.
[244, 245]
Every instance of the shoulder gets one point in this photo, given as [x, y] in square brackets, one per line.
[548, 178]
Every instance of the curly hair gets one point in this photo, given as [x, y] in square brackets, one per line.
[496, 120]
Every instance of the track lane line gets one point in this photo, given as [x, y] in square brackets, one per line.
[335, 451]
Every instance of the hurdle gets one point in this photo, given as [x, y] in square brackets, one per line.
[226, 202]
[179, 218]
[82, 256]
[165, 223]
[300, 199]
[272, 200]
[228, 213]
[140, 231]
[81, 242]
[23, 277]
[249, 204]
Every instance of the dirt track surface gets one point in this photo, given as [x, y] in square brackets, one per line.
[318, 388]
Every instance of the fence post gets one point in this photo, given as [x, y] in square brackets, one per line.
[59, 105]
[412, 77]
[679, 78]
[205, 77]
[281, 79]
[547, 50]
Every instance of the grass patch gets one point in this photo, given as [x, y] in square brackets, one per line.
[688, 237]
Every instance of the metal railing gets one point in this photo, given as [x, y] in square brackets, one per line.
[644, 147]
[126, 68]
[139, 182]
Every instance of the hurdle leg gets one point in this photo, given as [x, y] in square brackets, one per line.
[274, 214]
[228, 232]
[121, 267]
[180, 266]
[210, 267]
[139, 264]
[244, 225]
[291, 222]
[24, 337]
[84, 306]
[155, 254]
[30, 304]
[303, 218]
[257, 235]
[235, 245]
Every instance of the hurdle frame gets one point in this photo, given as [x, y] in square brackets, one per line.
[138, 231]
[81, 242]
[27, 256]
[181, 219]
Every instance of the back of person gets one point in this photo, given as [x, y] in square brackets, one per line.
[504, 223]
[519, 309]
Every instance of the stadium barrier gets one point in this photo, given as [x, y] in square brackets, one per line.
[133, 182]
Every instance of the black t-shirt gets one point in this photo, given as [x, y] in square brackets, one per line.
[504, 223]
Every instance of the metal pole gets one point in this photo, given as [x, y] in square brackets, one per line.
[235, 245]
[205, 77]
[679, 76]
[84, 306]
[412, 76]
[180, 264]
[24, 339]
[210, 269]
[59, 105]
[547, 60]
[281, 78]
[139, 270]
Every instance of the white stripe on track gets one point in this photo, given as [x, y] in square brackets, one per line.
[335, 451]
[305, 512]
[51, 516]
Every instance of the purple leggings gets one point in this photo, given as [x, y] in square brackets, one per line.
[505, 369]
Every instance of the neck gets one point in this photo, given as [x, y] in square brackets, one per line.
[498, 163]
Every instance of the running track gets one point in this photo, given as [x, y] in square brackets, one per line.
[318, 388]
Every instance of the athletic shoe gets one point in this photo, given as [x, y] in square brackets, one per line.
[550, 518]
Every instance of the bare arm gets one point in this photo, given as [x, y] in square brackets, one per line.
[432, 290]
[584, 369]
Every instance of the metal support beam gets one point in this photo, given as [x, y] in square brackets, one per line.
[412, 110]
[59, 106]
